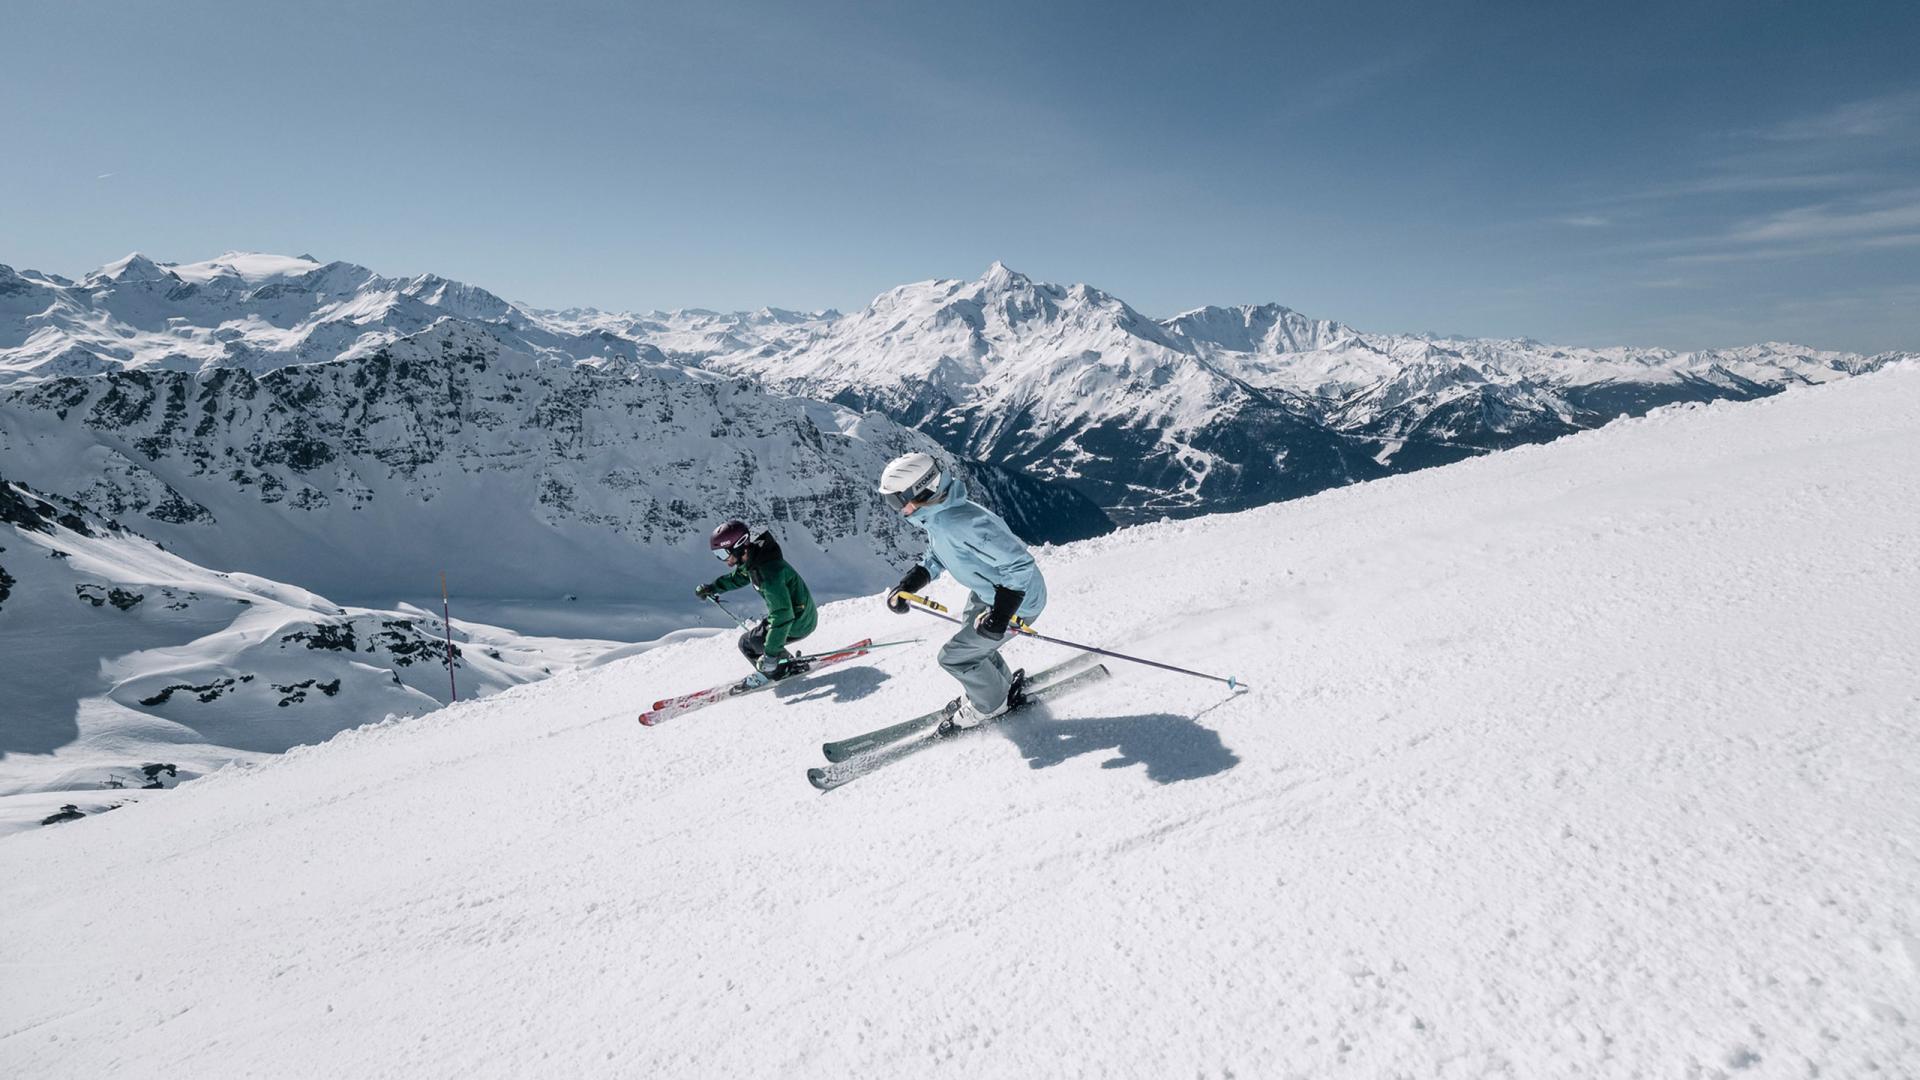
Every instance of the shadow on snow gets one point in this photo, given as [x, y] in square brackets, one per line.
[834, 684]
[1172, 747]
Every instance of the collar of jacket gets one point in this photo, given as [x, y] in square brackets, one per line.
[955, 494]
[763, 549]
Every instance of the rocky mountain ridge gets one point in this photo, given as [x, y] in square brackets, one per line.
[1218, 408]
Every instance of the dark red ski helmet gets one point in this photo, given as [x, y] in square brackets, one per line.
[728, 539]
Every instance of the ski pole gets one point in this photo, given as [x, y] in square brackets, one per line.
[939, 610]
[715, 601]
[737, 620]
[865, 648]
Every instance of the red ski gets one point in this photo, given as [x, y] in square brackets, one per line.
[669, 708]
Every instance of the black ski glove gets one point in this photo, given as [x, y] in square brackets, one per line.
[705, 592]
[915, 580]
[1005, 602]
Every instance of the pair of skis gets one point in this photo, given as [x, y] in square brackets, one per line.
[668, 708]
[857, 756]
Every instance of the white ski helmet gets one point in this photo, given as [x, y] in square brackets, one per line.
[910, 478]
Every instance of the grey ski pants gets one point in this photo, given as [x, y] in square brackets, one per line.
[974, 659]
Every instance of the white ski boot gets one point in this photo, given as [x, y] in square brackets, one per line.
[962, 715]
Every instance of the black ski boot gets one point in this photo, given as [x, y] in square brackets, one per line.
[947, 726]
[1017, 693]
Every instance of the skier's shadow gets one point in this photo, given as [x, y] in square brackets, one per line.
[1172, 747]
[840, 684]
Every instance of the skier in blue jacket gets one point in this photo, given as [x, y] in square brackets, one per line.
[970, 542]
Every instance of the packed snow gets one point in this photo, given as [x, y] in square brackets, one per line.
[1599, 758]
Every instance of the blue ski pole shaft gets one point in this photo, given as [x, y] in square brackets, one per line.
[867, 648]
[939, 610]
[737, 620]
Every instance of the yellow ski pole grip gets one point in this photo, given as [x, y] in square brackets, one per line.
[1017, 624]
[930, 605]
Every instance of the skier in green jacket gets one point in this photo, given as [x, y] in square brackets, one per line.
[791, 615]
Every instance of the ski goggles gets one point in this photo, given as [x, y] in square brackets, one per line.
[723, 554]
[899, 499]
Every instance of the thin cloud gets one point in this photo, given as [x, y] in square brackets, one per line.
[1799, 251]
[1882, 221]
[1894, 213]
[1586, 221]
[1874, 117]
[1856, 148]
[1745, 183]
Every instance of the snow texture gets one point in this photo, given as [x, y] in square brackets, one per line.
[1593, 758]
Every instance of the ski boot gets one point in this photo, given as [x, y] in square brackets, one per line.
[961, 714]
[788, 668]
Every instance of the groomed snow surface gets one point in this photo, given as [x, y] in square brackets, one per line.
[1595, 758]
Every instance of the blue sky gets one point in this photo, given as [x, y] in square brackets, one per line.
[1681, 174]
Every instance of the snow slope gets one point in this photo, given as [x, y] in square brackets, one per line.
[129, 669]
[1596, 758]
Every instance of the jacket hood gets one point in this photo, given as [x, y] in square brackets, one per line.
[762, 549]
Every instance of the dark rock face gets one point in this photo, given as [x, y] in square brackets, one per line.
[1039, 513]
[101, 595]
[69, 812]
[295, 693]
[208, 692]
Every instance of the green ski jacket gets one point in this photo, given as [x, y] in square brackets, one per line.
[790, 611]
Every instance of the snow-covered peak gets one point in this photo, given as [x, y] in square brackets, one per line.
[784, 316]
[129, 269]
[456, 297]
[258, 311]
[1001, 276]
[251, 267]
[13, 282]
[1258, 328]
[336, 278]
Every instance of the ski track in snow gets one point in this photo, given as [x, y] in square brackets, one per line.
[1595, 758]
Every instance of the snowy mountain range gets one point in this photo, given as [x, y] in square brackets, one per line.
[354, 434]
[1219, 408]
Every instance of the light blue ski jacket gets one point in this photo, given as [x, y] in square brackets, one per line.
[970, 542]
